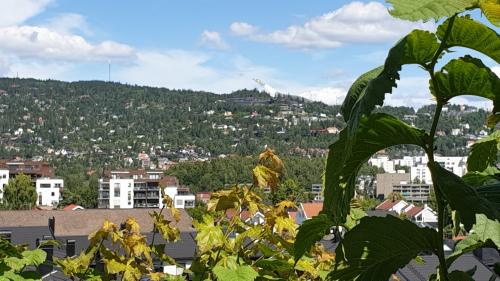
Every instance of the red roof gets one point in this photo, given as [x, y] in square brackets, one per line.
[293, 215]
[414, 211]
[71, 207]
[312, 209]
[387, 205]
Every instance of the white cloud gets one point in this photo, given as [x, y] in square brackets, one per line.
[68, 23]
[242, 28]
[14, 12]
[43, 43]
[213, 39]
[355, 22]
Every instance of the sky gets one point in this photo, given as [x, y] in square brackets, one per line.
[314, 49]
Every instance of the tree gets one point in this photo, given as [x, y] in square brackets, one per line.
[19, 193]
[290, 190]
[474, 199]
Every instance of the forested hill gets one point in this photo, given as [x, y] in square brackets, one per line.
[101, 123]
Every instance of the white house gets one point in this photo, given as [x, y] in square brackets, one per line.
[49, 191]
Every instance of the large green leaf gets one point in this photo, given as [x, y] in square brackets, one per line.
[491, 9]
[490, 175]
[378, 246]
[239, 272]
[428, 9]
[484, 153]
[492, 193]
[357, 89]
[35, 257]
[311, 231]
[462, 197]
[418, 47]
[467, 76]
[471, 34]
[485, 232]
[375, 132]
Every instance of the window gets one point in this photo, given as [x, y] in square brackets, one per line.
[179, 202]
[117, 191]
[57, 185]
[45, 185]
[52, 194]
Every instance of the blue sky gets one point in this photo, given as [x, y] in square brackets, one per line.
[310, 48]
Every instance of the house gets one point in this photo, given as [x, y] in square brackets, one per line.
[49, 191]
[47, 187]
[126, 189]
[308, 210]
[203, 196]
[71, 229]
[73, 207]
[418, 214]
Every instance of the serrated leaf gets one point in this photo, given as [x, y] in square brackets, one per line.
[357, 88]
[471, 34]
[484, 153]
[462, 197]
[14, 263]
[223, 200]
[378, 246]
[491, 9]
[240, 272]
[265, 177]
[375, 132]
[485, 232]
[35, 257]
[310, 232]
[418, 47]
[428, 9]
[466, 76]
[209, 235]
[490, 175]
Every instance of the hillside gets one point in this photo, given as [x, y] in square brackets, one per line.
[99, 123]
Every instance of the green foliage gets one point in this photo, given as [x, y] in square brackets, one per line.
[237, 272]
[484, 153]
[485, 233]
[19, 193]
[310, 232]
[462, 197]
[376, 132]
[428, 9]
[18, 263]
[378, 246]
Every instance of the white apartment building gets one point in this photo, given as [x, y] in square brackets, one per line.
[4, 180]
[49, 191]
[140, 189]
[383, 161]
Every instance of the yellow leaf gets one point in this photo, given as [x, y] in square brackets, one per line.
[132, 226]
[271, 160]
[265, 177]
[208, 236]
[156, 276]
[491, 9]
[176, 214]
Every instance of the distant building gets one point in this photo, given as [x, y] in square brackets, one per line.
[386, 181]
[49, 191]
[317, 191]
[47, 187]
[421, 215]
[203, 196]
[414, 192]
[125, 189]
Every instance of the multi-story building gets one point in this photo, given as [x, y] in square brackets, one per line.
[49, 191]
[386, 181]
[414, 192]
[317, 191]
[125, 189]
[47, 187]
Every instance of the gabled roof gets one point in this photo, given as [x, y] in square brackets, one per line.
[73, 207]
[87, 221]
[414, 211]
[387, 204]
[311, 209]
